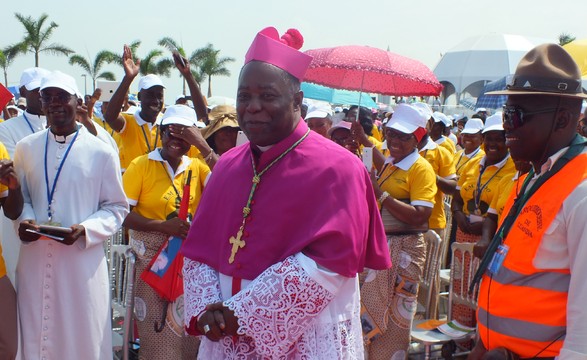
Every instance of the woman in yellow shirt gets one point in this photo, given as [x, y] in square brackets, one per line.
[405, 189]
[11, 202]
[477, 186]
[154, 185]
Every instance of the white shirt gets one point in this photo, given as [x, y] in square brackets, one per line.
[14, 129]
[63, 291]
[564, 244]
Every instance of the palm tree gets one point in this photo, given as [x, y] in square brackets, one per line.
[102, 58]
[149, 64]
[210, 64]
[36, 38]
[172, 45]
[565, 38]
[7, 56]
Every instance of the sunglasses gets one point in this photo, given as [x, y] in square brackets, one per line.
[515, 117]
[61, 98]
[394, 134]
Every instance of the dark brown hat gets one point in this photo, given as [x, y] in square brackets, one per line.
[546, 70]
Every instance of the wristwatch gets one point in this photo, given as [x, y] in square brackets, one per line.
[384, 195]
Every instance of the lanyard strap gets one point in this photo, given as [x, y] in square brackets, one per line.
[178, 199]
[576, 147]
[28, 123]
[468, 158]
[479, 189]
[380, 183]
[51, 192]
[147, 141]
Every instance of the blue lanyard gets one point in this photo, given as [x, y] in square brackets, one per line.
[52, 192]
[28, 123]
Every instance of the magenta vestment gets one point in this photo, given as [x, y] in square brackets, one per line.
[317, 200]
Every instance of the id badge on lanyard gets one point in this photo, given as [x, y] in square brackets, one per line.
[497, 259]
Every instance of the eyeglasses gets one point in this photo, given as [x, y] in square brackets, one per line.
[394, 134]
[514, 116]
[62, 98]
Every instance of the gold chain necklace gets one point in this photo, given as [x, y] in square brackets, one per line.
[237, 242]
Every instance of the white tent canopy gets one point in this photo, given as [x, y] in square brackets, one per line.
[467, 67]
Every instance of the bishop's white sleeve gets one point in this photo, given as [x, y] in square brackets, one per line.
[201, 287]
[279, 305]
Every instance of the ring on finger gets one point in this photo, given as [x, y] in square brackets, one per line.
[206, 328]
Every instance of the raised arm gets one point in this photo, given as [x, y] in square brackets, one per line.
[183, 66]
[131, 70]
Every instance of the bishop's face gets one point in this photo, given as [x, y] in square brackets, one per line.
[268, 109]
[60, 108]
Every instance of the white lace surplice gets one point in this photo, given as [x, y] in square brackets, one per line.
[293, 310]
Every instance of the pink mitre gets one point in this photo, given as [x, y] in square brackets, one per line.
[282, 52]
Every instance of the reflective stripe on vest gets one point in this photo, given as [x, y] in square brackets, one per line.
[552, 281]
[523, 308]
[521, 329]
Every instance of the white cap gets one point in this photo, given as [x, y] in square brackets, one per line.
[424, 107]
[57, 79]
[31, 77]
[407, 119]
[182, 96]
[179, 114]
[338, 109]
[320, 114]
[340, 125]
[473, 126]
[492, 123]
[481, 110]
[440, 117]
[148, 81]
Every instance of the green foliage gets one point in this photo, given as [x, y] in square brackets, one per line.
[565, 38]
[36, 37]
[93, 69]
[210, 64]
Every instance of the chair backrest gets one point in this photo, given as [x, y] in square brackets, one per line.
[122, 273]
[431, 270]
[463, 268]
[447, 229]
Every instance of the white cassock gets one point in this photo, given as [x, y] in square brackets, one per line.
[63, 291]
[293, 310]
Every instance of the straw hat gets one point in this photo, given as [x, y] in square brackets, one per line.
[220, 117]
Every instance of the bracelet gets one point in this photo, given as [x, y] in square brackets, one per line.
[209, 156]
[384, 195]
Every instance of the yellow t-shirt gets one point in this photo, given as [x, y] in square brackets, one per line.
[3, 193]
[377, 134]
[460, 160]
[136, 140]
[442, 164]
[505, 187]
[489, 183]
[448, 145]
[417, 183]
[147, 184]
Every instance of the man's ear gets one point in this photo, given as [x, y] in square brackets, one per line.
[22, 91]
[565, 118]
[139, 95]
[298, 98]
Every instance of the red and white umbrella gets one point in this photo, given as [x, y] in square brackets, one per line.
[368, 69]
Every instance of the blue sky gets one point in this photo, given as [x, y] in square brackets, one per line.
[422, 30]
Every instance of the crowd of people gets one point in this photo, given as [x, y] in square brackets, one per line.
[296, 244]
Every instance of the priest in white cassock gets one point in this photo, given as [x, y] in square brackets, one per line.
[69, 178]
[272, 255]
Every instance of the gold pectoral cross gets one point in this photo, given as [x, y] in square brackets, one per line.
[237, 243]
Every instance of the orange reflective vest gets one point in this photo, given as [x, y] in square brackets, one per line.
[523, 308]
